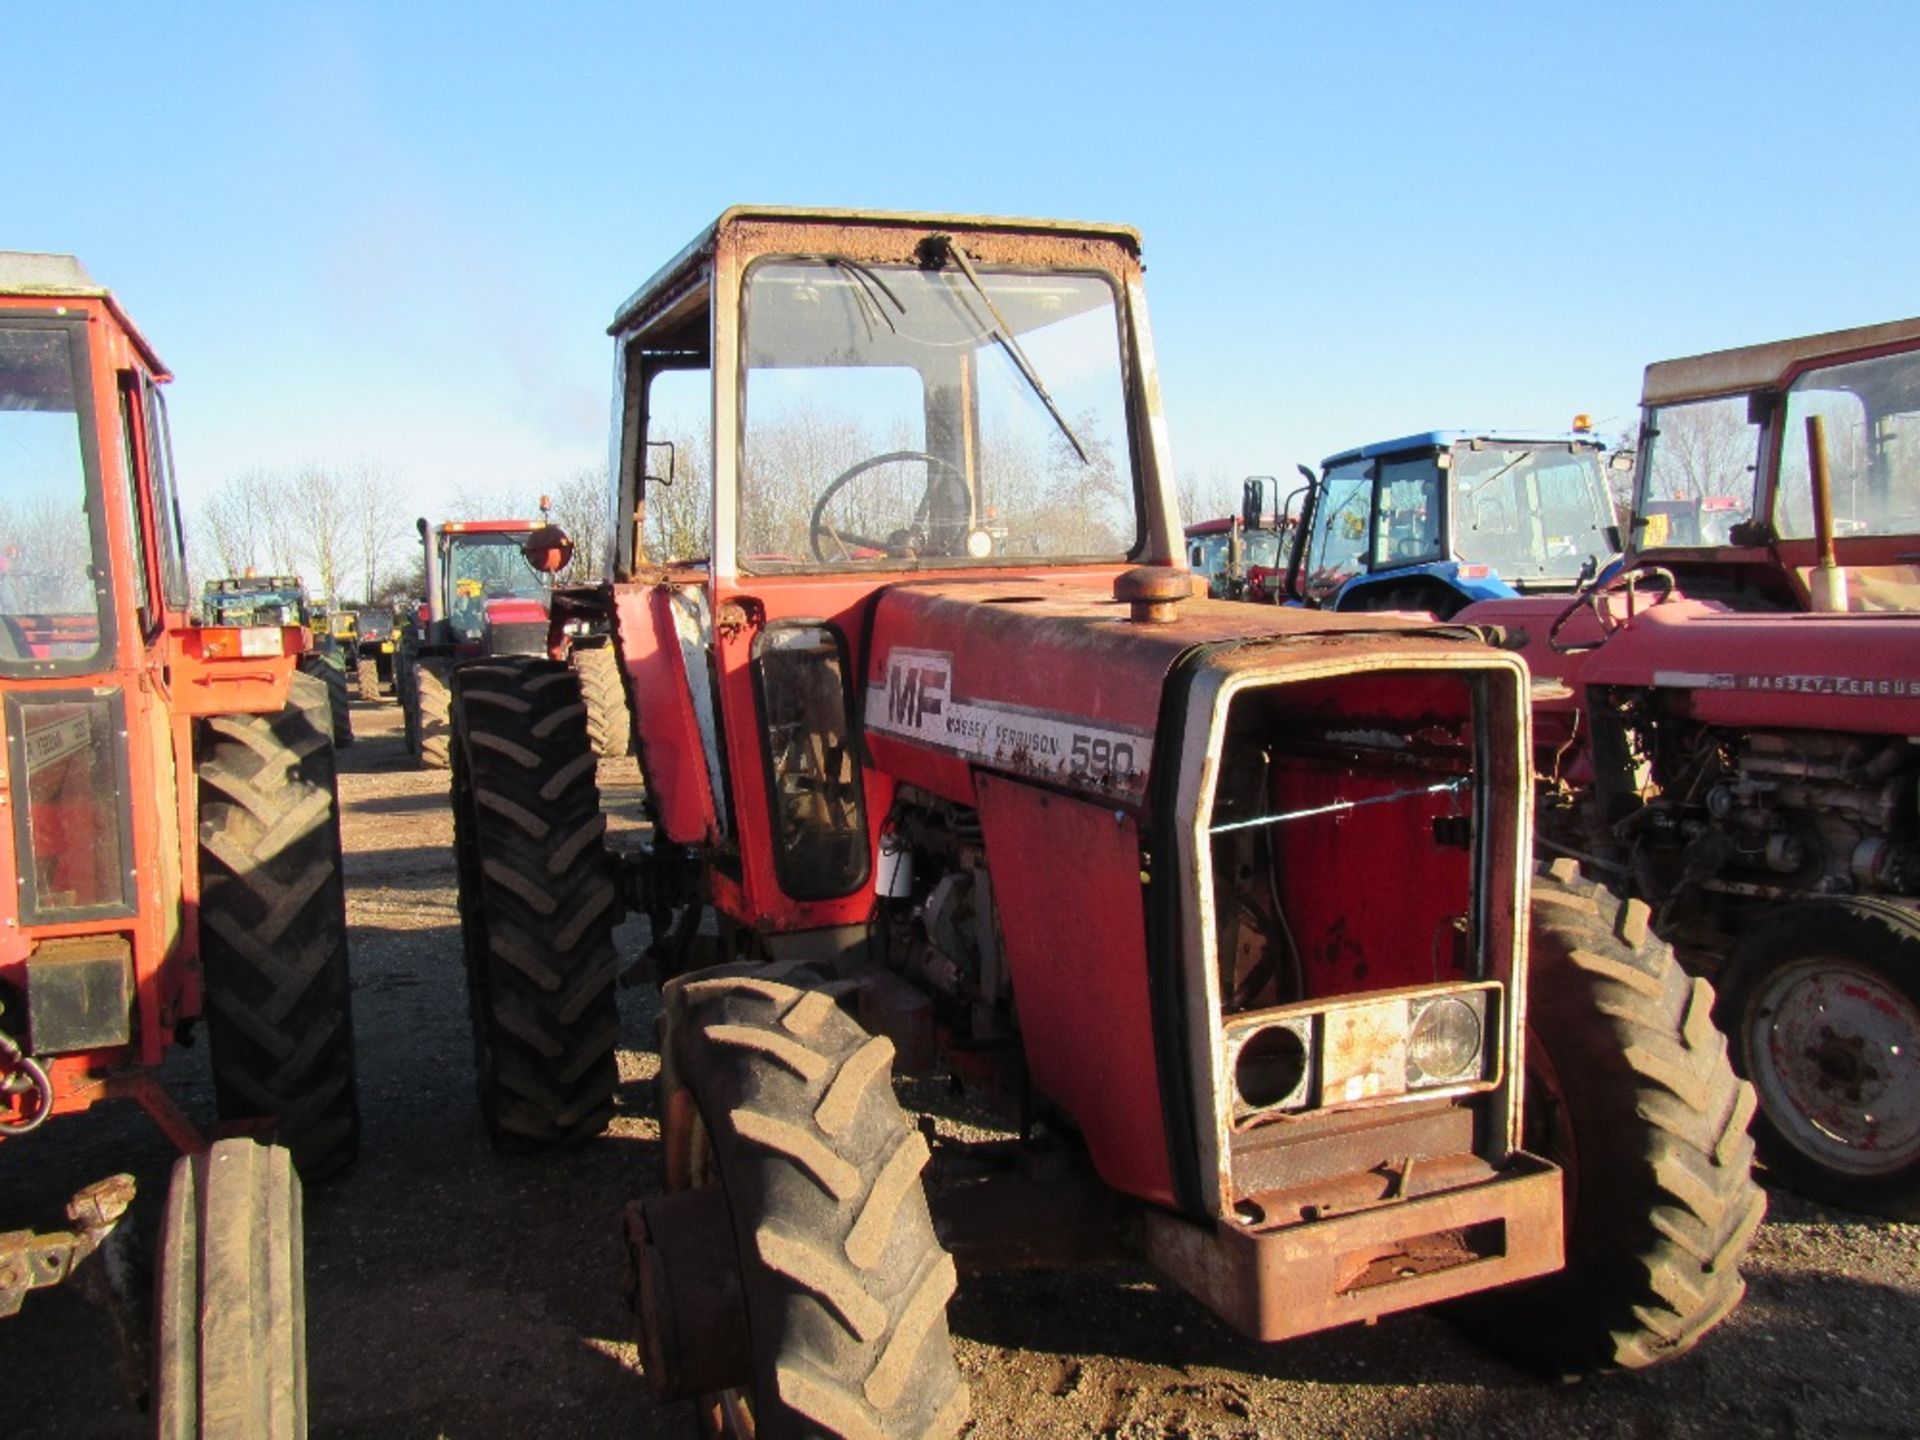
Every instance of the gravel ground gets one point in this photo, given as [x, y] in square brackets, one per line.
[454, 1293]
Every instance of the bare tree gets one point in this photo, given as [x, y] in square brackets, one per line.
[677, 513]
[580, 508]
[373, 497]
[325, 517]
[231, 523]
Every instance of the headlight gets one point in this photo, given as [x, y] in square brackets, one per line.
[1445, 1043]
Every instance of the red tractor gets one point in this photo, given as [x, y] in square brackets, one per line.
[485, 598]
[1728, 729]
[949, 767]
[168, 818]
[1244, 556]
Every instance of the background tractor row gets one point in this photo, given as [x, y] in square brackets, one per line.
[169, 823]
[949, 769]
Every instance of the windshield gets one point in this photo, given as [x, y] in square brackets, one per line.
[53, 592]
[1697, 469]
[1871, 415]
[890, 420]
[1339, 540]
[484, 566]
[1533, 511]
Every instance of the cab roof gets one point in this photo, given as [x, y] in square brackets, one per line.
[486, 527]
[1441, 439]
[670, 275]
[1762, 367]
[35, 274]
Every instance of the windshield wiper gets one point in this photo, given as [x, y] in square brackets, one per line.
[1524, 454]
[871, 287]
[1003, 332]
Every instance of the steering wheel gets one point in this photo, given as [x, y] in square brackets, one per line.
[1627, 582]
[849, 542]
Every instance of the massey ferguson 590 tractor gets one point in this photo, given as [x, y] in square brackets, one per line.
[1732, 727]
[1228, 903]
[169, 827]
[485, 598]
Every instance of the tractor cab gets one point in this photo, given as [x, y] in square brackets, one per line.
[486, 583]
[1786, 476]
[1439, 520]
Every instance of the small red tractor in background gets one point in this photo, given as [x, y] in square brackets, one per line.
[485, 598]
[1730, 729]
[1229, 904]
[169, 826]
[1244, 556]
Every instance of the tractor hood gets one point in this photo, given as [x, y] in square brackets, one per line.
[1050, 680]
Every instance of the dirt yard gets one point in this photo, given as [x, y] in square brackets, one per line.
[453, 1293]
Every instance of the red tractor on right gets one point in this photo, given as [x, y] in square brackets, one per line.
[1728, 728]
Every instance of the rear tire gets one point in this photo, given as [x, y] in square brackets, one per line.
[366, 678]
[609, 720]
[1822, 1003]
[335, 679]
[538, 903]
[783, 1101]
[273, 929]
[1630, 1092]
[432, 711]
[230, 1343]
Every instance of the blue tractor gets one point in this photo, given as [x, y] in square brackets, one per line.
[1436, 521]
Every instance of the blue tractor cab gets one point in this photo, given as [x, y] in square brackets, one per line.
[1439, 520]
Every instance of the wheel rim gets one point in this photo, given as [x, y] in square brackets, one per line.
[1834, 1052]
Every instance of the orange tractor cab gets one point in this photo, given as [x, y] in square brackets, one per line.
[951, 769]
[1727, 729]
[167, 816]
[486, 597]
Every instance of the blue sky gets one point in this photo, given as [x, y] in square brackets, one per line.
[395, 232]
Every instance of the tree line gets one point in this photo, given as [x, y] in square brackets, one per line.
[348, 530]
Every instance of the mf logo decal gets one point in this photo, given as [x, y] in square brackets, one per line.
[917, 701]
[918, 682]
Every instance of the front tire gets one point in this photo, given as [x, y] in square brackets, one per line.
[335, 679]
[432, 712]
[538, 903]
[230, 1341]
[1630, 1092]
[273, 928]
[609, 721]
[777, 1096]
[1822, 1002]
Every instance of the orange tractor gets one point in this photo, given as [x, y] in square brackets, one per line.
[950, 767]
[168, 817]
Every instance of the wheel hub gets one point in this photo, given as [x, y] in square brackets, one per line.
[1836, 1060]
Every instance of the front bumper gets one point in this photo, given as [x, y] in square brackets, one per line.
[1275, 1284]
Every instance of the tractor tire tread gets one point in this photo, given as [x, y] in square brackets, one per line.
[230, 1355]
[603, 689]
[433, 711]
[273, 930]
[1666, 1205]
[844, 1270]
[538, 906]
